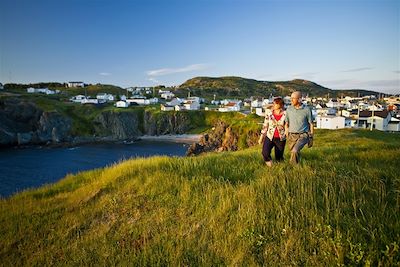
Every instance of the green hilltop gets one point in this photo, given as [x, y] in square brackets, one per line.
[242, 87]
[340, 206]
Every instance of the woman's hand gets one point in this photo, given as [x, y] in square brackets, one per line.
[261, 139]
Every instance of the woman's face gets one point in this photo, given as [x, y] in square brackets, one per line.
[276, 106]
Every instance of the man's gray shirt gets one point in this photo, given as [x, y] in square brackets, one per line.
[298, 119]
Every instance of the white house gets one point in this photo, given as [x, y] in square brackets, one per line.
[351, 105]
[326, 111]
[330, 122]
[191, 105]
[379, 119]
[227, 101]
[122, 104]
[256, 103]
[349, 113]
[195, 98]
[75, 84]
[231, 106]
[91, 101]
[46, 91]
[333, 103]
[394, 125]
[167, 95]
[30, 90]
[175, 101]
[362, 105]
[166, 107]
[375, 107]
[105, 96]
[77, 98]
[143, 101]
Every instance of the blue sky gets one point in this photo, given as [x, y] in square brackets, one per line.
[336, 43]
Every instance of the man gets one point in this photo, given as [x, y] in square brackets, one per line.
[299, 129]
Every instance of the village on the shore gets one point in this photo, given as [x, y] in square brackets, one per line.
[368, 112]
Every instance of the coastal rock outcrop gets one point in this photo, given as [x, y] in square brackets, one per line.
[222, 137]
[118, 125]
[160, 123]
[22, 123]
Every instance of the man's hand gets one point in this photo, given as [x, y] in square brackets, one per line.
[310, 140]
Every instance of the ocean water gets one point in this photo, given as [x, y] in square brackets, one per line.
[21, 169]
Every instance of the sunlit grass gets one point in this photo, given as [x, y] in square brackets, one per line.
[339, 206]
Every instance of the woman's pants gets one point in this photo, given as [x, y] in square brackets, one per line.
[279, 148]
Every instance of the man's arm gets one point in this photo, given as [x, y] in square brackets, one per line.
[311, 133]
[310, 122]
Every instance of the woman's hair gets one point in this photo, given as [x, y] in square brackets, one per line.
[279, 101]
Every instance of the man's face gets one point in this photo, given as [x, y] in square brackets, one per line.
[295, 100]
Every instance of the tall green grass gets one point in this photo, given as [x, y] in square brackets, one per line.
[340, 206]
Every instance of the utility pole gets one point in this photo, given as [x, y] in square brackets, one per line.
[372, 116]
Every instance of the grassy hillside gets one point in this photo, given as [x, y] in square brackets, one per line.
[241, 87]
[340, 206]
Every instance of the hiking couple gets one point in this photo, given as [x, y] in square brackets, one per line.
[294, 125]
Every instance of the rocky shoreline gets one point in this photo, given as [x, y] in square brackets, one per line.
[23, 124]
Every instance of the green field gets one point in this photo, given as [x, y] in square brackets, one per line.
[340, 206]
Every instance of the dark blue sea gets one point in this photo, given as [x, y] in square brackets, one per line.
[32, 167]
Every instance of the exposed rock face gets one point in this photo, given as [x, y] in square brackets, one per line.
[54, 127]
[22, 122]
[165, 123]
[118, 125]
[221, 138]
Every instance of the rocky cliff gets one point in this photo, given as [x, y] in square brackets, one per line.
[22, 123]
[223, 137]
[118, 125]
[160, 123]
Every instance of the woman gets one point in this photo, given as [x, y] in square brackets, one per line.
[273, 132]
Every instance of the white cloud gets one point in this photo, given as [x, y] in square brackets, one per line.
[358, 69]
[168, 71]
[104, 74]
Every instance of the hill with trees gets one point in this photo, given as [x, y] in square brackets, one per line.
[242, 87]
